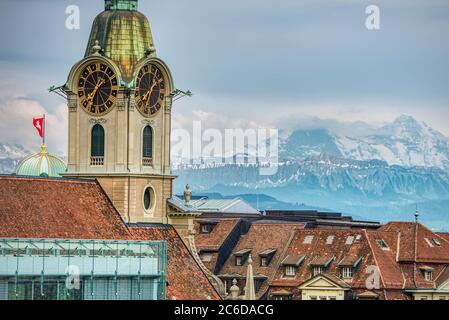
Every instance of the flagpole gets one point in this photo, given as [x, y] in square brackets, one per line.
[44, 125]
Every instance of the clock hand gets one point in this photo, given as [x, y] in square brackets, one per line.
[91, 96]
[150, 91]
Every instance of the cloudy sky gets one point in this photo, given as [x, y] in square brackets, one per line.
[248, 62]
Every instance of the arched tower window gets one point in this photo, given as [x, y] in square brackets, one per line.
[97, 146]
[147, 145]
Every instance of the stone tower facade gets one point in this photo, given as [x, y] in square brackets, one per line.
[120, 100]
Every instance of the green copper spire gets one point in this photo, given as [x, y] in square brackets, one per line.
[121, 5]
[124, 35]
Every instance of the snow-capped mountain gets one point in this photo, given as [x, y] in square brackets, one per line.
[372, 188]
[404, 142]
[10, 156]
[379, 174]
[360, 180]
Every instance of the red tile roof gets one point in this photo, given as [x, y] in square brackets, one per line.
[214, 240]
[261, 237]
[320, 246]
[417, 243]
[57, 208]
[75, 209]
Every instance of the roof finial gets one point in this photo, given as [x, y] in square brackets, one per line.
[187, 194]
[151, 51]
[43, 149]
[417, 214]
[234, 290]
[250, 290]
[96, 48]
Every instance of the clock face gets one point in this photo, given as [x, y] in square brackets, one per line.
[150, 90]
[97, 89]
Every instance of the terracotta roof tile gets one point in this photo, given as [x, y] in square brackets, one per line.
[57, 208]
[75, 209]
[185, 280]
[215, 239]
[430, 246]
[262, 237]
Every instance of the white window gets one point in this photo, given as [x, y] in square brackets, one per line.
[206, 228]
[346, 273]
[206, 257]
[264, 262]
[238, 261]
[437, 242]
[290, 271]
[317, 270]
[428, 275]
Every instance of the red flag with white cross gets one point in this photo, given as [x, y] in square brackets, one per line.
[39, 124]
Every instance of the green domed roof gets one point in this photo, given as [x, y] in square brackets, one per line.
[42, 164]
[123, 33]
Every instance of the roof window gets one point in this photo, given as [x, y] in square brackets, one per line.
[382, 244]
[308, 239]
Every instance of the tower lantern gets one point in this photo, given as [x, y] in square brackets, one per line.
[120, 5]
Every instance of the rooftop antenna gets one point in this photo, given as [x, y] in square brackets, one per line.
[416, 214]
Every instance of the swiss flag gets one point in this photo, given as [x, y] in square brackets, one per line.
[39, 125]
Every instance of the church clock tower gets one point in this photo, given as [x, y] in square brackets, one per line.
[119, 99]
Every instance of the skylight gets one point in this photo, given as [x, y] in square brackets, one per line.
[429, 242]
[308, 239]
[437, 242]
[382, 244]
[349, 240]
[330, 240]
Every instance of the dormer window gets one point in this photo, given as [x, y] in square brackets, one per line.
[266, 257]
[239, 261]
[319, 264]
[427, 272]
[241, 257]
[348, 266]
[291, 264]
[347, 272]
[290, 271]
[317, 270]
[264, 262]
[206, 228]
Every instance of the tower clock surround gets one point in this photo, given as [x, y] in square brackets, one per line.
[97, 88]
